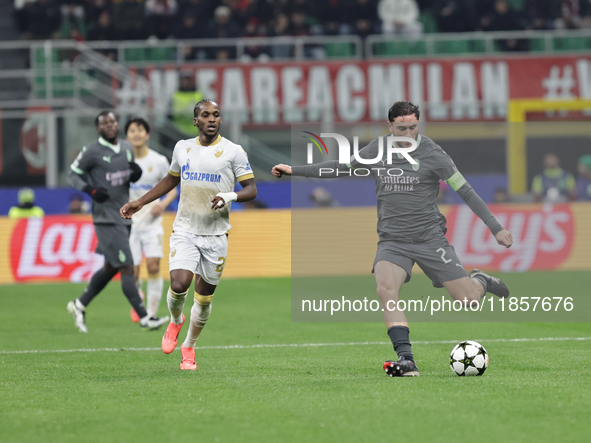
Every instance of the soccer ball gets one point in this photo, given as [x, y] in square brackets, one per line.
[468, 358]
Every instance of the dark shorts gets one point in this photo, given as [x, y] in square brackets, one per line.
[113, 243]
[436, 257]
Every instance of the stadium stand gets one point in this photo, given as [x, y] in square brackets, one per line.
[87, 53]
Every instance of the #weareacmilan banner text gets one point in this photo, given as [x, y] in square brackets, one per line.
[454, 89]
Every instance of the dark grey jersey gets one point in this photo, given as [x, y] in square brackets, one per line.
[103, 165]
[407, 193]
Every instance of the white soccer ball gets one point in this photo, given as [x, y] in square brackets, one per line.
[468, 358]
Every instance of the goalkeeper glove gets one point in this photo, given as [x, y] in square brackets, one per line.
[136, 172]
[97, 194]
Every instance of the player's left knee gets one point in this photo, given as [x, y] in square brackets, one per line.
[387, 292]
[154, 270]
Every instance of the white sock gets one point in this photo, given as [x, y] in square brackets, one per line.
[154, 294]
[79, 305]
[199, 316]
[176, 303]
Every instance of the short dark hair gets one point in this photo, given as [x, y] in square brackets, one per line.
[138, 121]
[105, 112]
[402, 108]
[199, 103]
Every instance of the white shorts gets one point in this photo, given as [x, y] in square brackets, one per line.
[201, 254]
[147, 241]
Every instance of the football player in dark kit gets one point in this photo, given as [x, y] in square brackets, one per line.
[103, 170]
[410, 227]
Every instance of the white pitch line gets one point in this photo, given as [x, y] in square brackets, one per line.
[296, 345]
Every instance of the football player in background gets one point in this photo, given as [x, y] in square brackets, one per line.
[207, 168]
[146, 227]
[104, 169]
[410, 227]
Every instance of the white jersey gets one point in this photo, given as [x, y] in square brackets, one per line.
[204, 171]
[154, 168]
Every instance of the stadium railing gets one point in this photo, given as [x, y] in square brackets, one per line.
[476, 43]
[279, 48]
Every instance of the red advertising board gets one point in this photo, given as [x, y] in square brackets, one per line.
[453, 89]
[546, 237]
[54, 248]
[543, 237]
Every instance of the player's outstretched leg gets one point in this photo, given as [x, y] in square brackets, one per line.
[491, 284]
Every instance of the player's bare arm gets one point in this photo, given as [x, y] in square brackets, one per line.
[280, 170]
[247, 193]
[165, 185]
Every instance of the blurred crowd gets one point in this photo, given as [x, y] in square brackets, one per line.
[190, 19]
[555, 184]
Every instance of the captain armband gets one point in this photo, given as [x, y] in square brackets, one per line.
[456, 181]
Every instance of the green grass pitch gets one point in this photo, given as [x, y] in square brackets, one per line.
[127, 390]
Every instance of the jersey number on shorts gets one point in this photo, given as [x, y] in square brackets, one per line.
[220, 267]
[443, 255]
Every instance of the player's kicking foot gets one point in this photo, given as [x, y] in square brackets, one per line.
[79, 316]
[401, 368]
[134, 315]
[188, 361]
[171, 336]
[492, 284]
[153, 323]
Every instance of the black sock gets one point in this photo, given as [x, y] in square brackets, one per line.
[482, 281]
[97, 283]
[401, 342]
[132, 294]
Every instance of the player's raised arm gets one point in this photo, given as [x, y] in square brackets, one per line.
[328, 169]
[459, 184]
[165, 185]
[331, 168]
[280, 170]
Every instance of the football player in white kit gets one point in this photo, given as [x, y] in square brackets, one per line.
[207, 167]
[146, 229]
